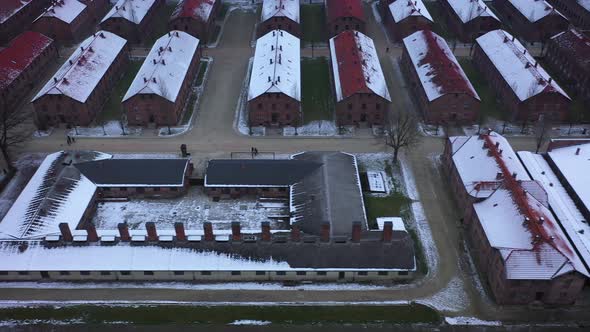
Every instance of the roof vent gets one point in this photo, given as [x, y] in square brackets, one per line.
[154, 80]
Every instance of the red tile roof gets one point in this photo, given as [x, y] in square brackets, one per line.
[349, 65]
[576, 44]
[344, 8]
[197, 9]
[9, 7]
[20, 54]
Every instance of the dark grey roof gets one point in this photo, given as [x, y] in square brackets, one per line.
[135, 172]
[329, 194]
[268, 172]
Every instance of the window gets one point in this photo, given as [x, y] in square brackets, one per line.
[156, 188]
[364, 106]
[273, 106]
[260, 273]
[259, 106]
[321, 273]
[383, 273]
[148, 273]
[282, 189]
[106, 188]
[64, 273]
[174, 189]
[301, 273]
[281, 273]
[402, 273]
[178, 273]
[205, 273]
[378, 106]
[3, 273]
[125, 273]
[105, 273]
[362, 273]
[84, 273]
[23, 273]
[236, 273]
[349, 106]
[122, 189]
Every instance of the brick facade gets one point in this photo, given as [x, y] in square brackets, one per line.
[17, 15]
[467, 32]
[278, 22]
[217, 193]
[407, 26]
[540, 30]
[132, 32]
[552, 105]
[26, 59]
[362, 108]
[344, 15]
[575, 12]
[345, 23]
[274, 109]
[194, 25]
[62, 31]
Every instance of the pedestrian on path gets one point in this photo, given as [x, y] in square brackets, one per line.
[387, 50]
[255, 151]
[252, 152]
[69, 140]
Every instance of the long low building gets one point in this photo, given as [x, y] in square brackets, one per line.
[444, 93]
[470, 19]
[534, 20]
[132, 19]
[279, 15]
[161, 89]
[403, 17]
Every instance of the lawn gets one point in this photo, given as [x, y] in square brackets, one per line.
[489, 104]
[398, 314]
[112, 109]
[389, 206]
[440, 21]
[317, 100]
[313, 22]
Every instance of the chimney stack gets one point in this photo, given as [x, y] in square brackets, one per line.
[66, 234]
[356, 231]
[295, 233]
[387, 231]
[208, 228]
[325, 232]
[92, 234]
[179, 229]
[124, 232]
[265, 231]
[236, 233]
[152, 234]
[578, 151]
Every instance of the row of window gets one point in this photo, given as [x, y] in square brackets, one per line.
[208, 273]
[138, 189]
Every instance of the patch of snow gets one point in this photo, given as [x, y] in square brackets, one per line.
[66, 10]
[402, 9]
[132, 10]
[250, 322]
[111, 129]
[471, 321]
[314, 128]
[42, 133]
[450, 299]
[241, 117]
[534, 10]
[468, 10]
[280, 8]
[172, 131]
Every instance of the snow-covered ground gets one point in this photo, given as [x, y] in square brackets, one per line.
[516, 129]
[192, 209]
[314, 128]
[250, 322]
[451, 298]
[431, 130]
[378, 162]
[172, 131]
[471, 321]
[110, 129]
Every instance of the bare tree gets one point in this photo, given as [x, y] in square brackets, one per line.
[402, 132]
[542, 132]
[13, 130]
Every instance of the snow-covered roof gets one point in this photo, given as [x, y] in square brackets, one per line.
[402, 9]
[19, 55]
[166, 66]
[534, 10]
[56, 193]
[478, 170]
[468, 10]
[517, 66]
[277, 66]
[84, 69]
[574, 165]
[506, 230]
[397, 223]
[280, 8]
[585, 4]
[64, 10]
[131, 10]
[561, 203]
[576, 44]
[197, 9]
[438, 70]
[10, 7]
[356, 66]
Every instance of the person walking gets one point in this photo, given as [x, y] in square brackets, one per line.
[68, 140]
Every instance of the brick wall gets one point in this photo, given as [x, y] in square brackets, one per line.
[274, 109]
[134, 33]
[196, 28]
[577, 14]
[362, 108]
[21, 20]
[574, 76]
[540, 30]
[406, 27]
[468, 32]
[345, 23]
[282, 23]
[237, 192]
[61, 31]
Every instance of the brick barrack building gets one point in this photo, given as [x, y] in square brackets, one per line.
[344, 15]
[568, 54]
[404, 17]
[470, 19]
[281, 15]
[195, 17]
[437, 80]
[76, 93]
[162, 87]
[17, 15]
[577, 11]
[64, 20]
[274, 93]
[21, 64]
[362, 95]
[518, 245]
[534, 20]
[524, 88]
[132, 19]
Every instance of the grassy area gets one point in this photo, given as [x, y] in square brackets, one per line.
[440, 22]
[202, 69]
[160, 25]
[313, 23]
[400, 314]
[317, 100]
[489, 104]
[113, 109]
[389, 206]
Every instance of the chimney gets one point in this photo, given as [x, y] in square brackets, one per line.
[91, 230]
[497, 145]
[269, 79]
[55, 79]
[236, 234]
[152, 234]
[295, 233]
[154, 61]
[208, 228]
[514, 175]
[124, 232]
[325, 232]
[179, 229]
[578, 151]
[356, 231]
[387, 231]
[550, 80]
[154, 79]
[66, 234]
[499, 176]
[265, 231]
[70, 62]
